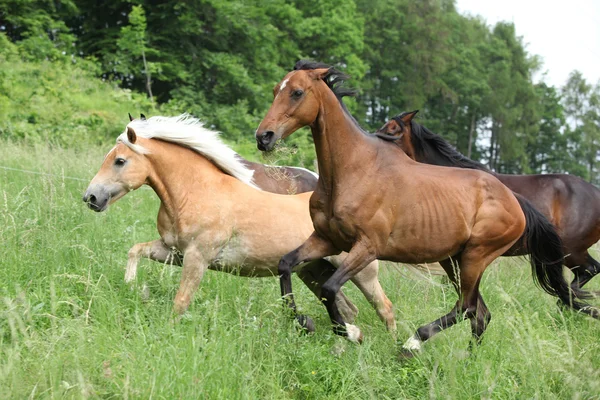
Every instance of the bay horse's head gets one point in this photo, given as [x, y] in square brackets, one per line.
[122, 171]
[399, 129]
[296, 101]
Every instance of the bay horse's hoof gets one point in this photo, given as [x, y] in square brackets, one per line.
[306, 323]
[406, 354]
[354, 334]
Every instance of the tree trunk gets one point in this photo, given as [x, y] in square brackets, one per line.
[148, 77]
[471, 131]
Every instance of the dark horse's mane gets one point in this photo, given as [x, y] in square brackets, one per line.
[433, 148]
[334, 79]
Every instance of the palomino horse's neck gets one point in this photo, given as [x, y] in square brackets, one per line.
[173, 168]
[339, 142]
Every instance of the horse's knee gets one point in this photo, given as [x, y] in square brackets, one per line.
[284, 267]
[134, 251]
[329, 291]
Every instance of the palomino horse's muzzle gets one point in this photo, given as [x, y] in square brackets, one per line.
[97, 197]
[265, 140]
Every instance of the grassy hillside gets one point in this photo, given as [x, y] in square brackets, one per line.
[71, 328]
[61, 101]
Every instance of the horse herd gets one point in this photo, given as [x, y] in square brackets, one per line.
[402, 194]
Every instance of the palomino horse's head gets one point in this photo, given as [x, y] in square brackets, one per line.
[296, 102]
[399, 128]
[122, 171]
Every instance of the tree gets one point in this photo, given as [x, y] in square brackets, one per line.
[133, 44]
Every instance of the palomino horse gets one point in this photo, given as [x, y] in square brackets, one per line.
[374, 202]
[211, 211]
[276, 179]
[569, 202]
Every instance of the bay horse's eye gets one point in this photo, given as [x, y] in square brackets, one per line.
[119, 162]
[297, 93]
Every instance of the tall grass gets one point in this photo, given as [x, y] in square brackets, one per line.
[71, 328]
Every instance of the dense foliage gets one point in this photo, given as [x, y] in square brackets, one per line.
[219, 59]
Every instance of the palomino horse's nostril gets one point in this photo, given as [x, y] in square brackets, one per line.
[91, 199]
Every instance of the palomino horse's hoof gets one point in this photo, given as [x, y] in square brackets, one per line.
[306, 323]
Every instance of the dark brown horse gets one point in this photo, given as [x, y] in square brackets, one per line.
[569, 202]
[375, 202]
[282, 180]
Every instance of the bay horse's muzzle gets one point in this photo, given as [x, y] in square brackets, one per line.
[265, 140]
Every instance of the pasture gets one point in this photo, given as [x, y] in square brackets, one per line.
[71, 328]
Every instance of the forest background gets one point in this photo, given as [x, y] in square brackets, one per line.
[71, 70]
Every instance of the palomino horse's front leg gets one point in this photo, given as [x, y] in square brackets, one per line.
[358, 258]
[155, 250]
[194, 266]
[313, 248]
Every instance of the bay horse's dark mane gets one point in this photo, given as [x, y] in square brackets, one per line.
[435, 149]
[334, 79]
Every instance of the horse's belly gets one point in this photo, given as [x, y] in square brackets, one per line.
[236, 257]
[410, 247]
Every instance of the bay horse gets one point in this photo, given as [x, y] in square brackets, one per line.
[375, 202]
[212, 212]
[569, 202]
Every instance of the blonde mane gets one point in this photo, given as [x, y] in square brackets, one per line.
[189, 131]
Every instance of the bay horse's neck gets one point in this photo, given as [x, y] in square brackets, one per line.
[339, 142]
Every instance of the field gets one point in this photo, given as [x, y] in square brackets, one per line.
[71, 328]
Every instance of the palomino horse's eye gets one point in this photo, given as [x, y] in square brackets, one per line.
[119, 162]
[297, 93]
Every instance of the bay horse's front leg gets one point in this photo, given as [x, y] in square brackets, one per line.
[194, 266]
[358, 258]
[155, 250]
[313, 248]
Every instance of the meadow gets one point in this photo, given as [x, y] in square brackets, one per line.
[71, 328]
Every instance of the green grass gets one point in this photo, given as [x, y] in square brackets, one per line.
[71, 328]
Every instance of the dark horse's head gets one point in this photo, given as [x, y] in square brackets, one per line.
[422, 145]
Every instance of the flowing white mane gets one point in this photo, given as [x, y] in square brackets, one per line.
[188, 131]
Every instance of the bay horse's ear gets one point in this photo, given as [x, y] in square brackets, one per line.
[130, 117]
[407, 117]
[131, 136]
[393, 128]
[142, 117]
[318, 73]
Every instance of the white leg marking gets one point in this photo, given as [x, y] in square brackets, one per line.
[353, 333]
[413, 344]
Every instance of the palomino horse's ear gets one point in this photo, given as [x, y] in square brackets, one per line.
[318, 74]
[406, 118]
[131, 136]
[130, 117]
[142, 117]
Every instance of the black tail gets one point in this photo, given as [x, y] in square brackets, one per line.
[546, 257]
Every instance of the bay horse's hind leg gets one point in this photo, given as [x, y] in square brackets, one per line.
[585, 271]
[470, 304]
[315, 274]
